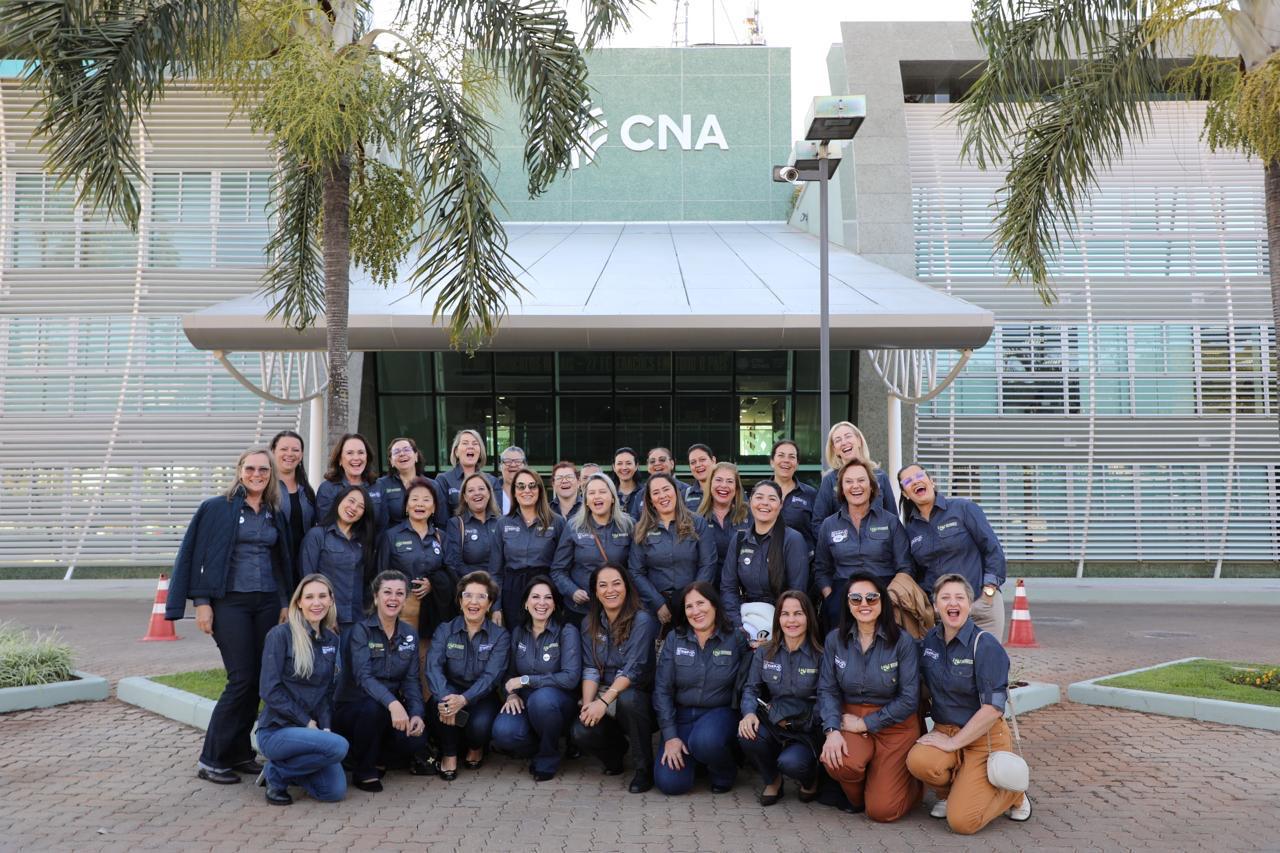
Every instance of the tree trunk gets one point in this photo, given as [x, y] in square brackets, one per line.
[337, 288]
[1271, 190]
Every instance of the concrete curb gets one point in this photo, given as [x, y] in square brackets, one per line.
[85, 688]
[1089, 692]
[1033, 696]
[187, 708]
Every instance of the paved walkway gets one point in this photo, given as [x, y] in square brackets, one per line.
[106, 776]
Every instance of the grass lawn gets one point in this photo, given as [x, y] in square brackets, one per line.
[207, 683]
[1206, 679]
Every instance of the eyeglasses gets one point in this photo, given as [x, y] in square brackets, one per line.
[857, 597]
[565, 478]
[658, 460]
[475, 596]
[526, 487]
[254, 469]
[914, 478]
[402, 451]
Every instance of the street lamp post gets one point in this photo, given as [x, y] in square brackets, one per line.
[829, 119]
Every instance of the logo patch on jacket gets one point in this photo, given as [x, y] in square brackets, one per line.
[838, 536]
[932, 653]
[687, 652]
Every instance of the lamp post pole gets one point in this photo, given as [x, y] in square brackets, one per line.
[824, 319]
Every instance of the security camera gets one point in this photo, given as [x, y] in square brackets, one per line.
[786, 174]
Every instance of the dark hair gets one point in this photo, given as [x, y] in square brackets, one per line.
[335, 472]
[542, 509]
[638, 477]
[484, 579]
[885, 622]
[703, 447]
[419, 462]
[680, 620]
[557, 602]
[904, 502]
[564, 463]
[420, 482]
[365, 531]
[462, 507]
[620, 630]
[791, 441]
[777, 539]
[649, 516]
[811, 634]
[299, 473]
[386, 576]
[871, 477]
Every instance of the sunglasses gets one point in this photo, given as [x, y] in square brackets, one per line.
[526, 487]
[857, 597]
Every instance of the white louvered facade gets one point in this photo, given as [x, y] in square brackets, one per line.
[112, 427]
[1136, 420]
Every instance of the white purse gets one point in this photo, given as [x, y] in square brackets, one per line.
[1005, 770]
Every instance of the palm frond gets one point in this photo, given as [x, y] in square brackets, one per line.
[607, 18]
[295, 277]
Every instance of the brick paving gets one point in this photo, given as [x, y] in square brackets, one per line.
[107, 776]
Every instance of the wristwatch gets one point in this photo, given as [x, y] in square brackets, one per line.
[524, 681]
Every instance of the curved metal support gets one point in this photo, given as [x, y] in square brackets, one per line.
[289, 372]
[912, 375]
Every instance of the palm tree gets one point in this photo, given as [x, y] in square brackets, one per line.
[1068, 83]
[380, 136]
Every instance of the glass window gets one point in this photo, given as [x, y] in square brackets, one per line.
[242, 232]
[707, 420]
[527, 423]
[404, 372]
[407, 415]
[762, 420]
[763, 371]
[643, 371]
[586, 429]
[643, 422]
[807, 379]
[586, 371]
[457, 371]
[704, 371]
[522, 371]
[455, 413]
[810, 436]
[181, 206]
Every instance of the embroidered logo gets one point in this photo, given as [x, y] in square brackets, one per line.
[807, 670]
[452, 645]
[719, 653]
[327, 650]
[773, 665]
[889, 667]
[838, 536]
[521, 647]
[484, 647]
[932, 653]
[948, 525]
[840, 662]
[687, 652]
[915, 540]
[961, 661]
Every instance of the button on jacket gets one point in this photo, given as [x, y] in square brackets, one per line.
[577, 556]
[328, 493]
[663, 565]
[341, 560]
[790, 675]
[573, 510]
[287, 698]
[884, 675]
[797, 511]
[528, 547]
[450, 483]
[956, 538]
[552, 659]
[392, 489]
[479, 551]
[603, 660]
[251, 568]
[745, 575]
[468, 666]
[960, 680]
[385, 668]
[696, 676]
[829, 500]
[878, 546]
[416, 557]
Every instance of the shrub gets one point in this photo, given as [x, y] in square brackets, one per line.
[27, 660]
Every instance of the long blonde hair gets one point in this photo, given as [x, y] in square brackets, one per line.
[271, 494]
[457, 439]
[582, 519]
[300, 630]
[737, 509]
[833, 457]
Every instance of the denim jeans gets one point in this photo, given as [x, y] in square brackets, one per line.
[310, 758]
[771, 756]
[535, 732]
[708, 733]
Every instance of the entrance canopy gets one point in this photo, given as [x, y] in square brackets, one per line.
[644, 286]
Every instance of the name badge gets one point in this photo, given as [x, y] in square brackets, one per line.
[686, 652]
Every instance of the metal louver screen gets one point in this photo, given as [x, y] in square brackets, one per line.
[1136, 420]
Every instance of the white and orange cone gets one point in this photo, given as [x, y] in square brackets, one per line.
[160, 629]
[1022, 634]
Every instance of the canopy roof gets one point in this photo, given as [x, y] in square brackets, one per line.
[644, 286]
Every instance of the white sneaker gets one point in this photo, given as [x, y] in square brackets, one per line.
[939, 809]
[1022, 811]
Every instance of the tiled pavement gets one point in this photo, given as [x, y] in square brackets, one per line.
[106, 776]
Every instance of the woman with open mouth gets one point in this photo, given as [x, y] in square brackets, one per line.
[472, 541]
[845, 442]
[763, 560]
[415, 548]
[949, 534]
[468, 457]
[599, 533]
[701, 459]
[724, 508]
[967, 672]
[529, 534]
[798, 499]
[542, 690]
[868, 696]
[351, 464]
[407, 465]
[626, 466]
[379, 698]
[701, 668]
[342, 549]
[672, 547]
[862, 537]
[468, 657]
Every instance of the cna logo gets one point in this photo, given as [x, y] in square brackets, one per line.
[594, 135]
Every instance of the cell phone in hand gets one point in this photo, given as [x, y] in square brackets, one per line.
[460, 718]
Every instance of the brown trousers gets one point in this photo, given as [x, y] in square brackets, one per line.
[874, 771]
[960, 778]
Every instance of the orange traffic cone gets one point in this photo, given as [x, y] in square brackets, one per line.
[160, 628]
[1022, 634]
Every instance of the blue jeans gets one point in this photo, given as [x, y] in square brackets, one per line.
[771, 756]
[310, 758]
[708, 733]
[536, 731]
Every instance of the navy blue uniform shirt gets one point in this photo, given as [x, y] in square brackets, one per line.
[878, 546]
[468, 666]
[393, 494]
[829, 500]
[251, 568]
[691, 675]
[289, 699]
[450, 483]
[662, 565]
[415, 556]
[603, 660]
[577, 556]
[884, 675]
[960, 679]
[723, 534]
[790, 675]
[552, 659]
[528, 547]
[472, 545]
[341, 560]
[797, 511]
[956, 538]
[745, 575]
[385, 668]
[328, 493]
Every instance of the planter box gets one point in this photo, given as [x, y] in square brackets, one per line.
[1032, 696]
[1172, 705]
[84, 688]
[187, 708]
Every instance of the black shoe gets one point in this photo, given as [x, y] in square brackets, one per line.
[372, 786]
[721, 789]
[251, 766]
[448, 775]
[279, 796]
[640, 782]
[218, 777]
[539, 776]
[851, 808]
[808, 796]
[770, 799]
[613, 769]
[473, 765]
[422, 765]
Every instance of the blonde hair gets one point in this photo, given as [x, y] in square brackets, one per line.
[271, 494]
[737, 509]
[582, 519]
[300, 630]
[833, 457]
[453, 448]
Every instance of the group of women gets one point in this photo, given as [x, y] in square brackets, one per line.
[593, 616]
